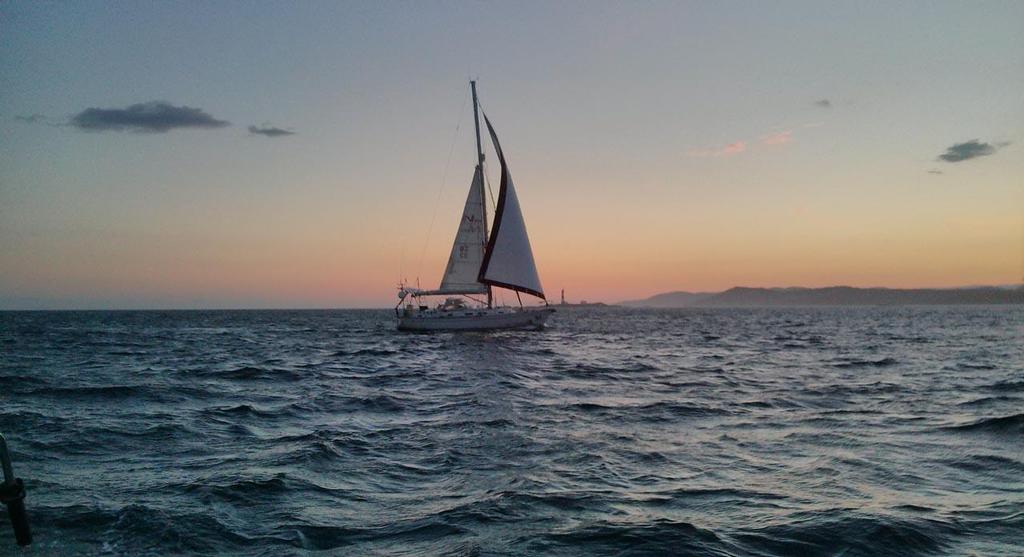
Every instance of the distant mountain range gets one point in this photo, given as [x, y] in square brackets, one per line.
[834, 296]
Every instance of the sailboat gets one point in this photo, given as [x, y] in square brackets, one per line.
[480, 262]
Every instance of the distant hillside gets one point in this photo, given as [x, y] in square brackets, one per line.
[670, 300]
[834, 296]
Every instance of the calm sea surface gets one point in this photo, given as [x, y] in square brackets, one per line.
[848, 432]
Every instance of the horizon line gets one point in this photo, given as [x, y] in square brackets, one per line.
[620, 302]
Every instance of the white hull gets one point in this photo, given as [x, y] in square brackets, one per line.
[474, 319]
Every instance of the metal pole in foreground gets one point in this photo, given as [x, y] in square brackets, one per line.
[12, 494]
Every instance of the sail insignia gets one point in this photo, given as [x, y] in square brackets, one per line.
[460, 275]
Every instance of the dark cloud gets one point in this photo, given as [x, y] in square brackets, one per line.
[31, 118]
[933, 171]
[823, 103]
[153, 116]
[969, 150]
[269, 131]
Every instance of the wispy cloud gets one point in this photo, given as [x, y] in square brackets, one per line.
[153, 116]
[779, 138]
[31, 118]
[823, 103]
[774, 139]
[269, 131]
[734, 148]
[970, 150]
[727, 151]
[934, 171]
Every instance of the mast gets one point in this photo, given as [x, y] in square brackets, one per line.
[480, 167]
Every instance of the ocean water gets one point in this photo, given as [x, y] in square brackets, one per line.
[825, 431]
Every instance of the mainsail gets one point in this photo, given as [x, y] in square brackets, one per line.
[508, 260]
[460, 276]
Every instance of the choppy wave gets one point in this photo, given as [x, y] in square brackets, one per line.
[855, 363]
[1008, 386]
[841, 532]
[249, 373]
[614, 432]
[1000, 424]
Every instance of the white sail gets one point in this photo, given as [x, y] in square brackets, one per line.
[508, 261]
[460, 276]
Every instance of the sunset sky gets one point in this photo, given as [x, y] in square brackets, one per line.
[292, 154]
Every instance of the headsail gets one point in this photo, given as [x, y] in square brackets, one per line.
[508, 260]
[460, 276]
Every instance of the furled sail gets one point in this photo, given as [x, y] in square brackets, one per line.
[460, 276]
[508, 260]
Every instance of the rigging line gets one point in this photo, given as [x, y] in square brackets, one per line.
[401, 263]
[494, 205]
[444, 179]
[487, 180]
[475, 299]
